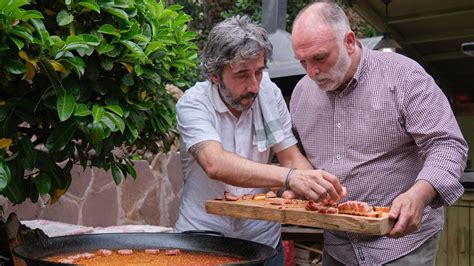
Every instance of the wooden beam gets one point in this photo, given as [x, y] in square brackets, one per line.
[440, 36]
[432, 14]
[368, 13]
[444, 56]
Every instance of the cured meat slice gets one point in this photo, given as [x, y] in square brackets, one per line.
[230, 197]
[271, 194]
[172, 252]
[152, 251]
[247, 196]
[125, 251]
[259, 196]
[104, 252]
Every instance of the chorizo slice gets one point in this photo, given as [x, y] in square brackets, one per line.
[125, 251]
[172, 252]
[230, 197]
[152, 251]
[104, 252]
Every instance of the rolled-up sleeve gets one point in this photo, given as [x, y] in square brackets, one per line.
[431, 122]
[195, 124]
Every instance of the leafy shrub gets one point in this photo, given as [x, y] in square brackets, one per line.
[80, 79]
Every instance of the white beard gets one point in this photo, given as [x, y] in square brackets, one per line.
[335, 77]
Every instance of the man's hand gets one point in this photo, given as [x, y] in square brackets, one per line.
[317, 185]
[408, 208]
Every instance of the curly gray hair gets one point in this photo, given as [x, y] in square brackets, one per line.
[233, 40]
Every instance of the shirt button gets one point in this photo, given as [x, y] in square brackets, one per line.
[355, 240]
[338, 157]
[338, 125]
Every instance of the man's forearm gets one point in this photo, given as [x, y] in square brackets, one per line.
[234, 169]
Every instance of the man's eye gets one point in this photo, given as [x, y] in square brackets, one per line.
[319, 58]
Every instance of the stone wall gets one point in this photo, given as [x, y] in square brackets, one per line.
[93, 199]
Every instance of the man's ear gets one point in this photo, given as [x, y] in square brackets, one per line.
[215, 78]
[350, 42]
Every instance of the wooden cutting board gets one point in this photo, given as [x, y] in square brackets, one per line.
[297, 215]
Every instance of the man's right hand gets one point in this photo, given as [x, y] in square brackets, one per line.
[316, 185]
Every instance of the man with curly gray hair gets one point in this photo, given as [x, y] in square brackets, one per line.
[230, 126]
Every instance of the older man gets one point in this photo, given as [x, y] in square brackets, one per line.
[379, 122]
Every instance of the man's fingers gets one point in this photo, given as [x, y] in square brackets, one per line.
[335, 185]
[288, 194]
[394, 210]
[399, 227]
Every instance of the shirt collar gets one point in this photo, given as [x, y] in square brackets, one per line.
[362, 67]
[360, 71]
[217, 102]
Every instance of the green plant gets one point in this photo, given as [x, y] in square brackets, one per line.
[80, 79]
[251, 8]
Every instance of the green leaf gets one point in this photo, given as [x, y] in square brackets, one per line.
[19, 43]
[154, 46]
[97, 113]
[110, 30]
[75, 45]
[82, 110]
[65, 105]
[15, 192]
[141, 38]
[116, 12]
[5, 174]
[117, 173]
[97, 132]
[28, 154]
[133, 130]
[12, 5]
[4, 47]
[134, 48]
[118, 122]
[90, 4]
[127, 80]
[138, 70]
[61, 135]
[23, 34]
[82, 157]
[43, 183]
[4, 111]
[109, 123]
[90, 39]
[107, 63]
[115, 108]
[105, 48]
[64, 18]
[29, 14]
[41, 29]
[131, 169]
[78, 65]
[15, 66]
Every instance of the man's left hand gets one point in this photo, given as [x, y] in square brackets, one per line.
[408, 208]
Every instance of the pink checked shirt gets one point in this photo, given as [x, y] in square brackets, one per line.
[390, 127]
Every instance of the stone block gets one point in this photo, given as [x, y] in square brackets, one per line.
[101, 208]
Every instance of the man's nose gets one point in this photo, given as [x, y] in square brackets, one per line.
[253, 84]
[312, 70]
